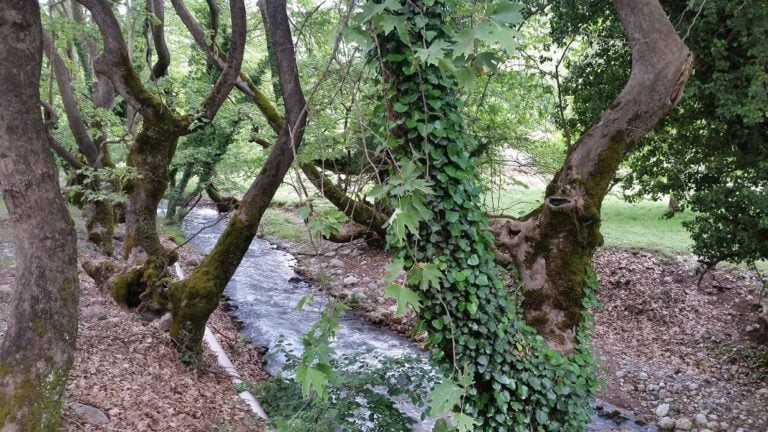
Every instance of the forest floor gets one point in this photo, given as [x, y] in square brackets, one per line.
[127, 374]
[674, 349]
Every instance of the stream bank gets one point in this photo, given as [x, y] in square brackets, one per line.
[265, 290]
[685, 355]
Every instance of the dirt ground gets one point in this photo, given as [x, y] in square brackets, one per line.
[671, 346]
[127, 374]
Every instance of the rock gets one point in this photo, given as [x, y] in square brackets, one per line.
[763, 391]
[350, 280]
[663, 394]
[662, 410]
[358, 295]
[337, 263]
[137, 257]
[713, 426]
[700, 419]
[164, 322]
[367, 280]
[88, 414]
[683, 424]
[667, 423]
[93, 312]
[642, 376]
[693, 386]
[6, 289]
[620, 374]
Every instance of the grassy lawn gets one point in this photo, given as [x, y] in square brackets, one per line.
[627, 225]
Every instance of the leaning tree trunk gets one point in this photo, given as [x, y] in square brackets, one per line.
[195, 298]
[552, 247]
[36, 353]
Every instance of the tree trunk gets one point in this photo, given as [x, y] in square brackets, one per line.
[552, 247]
[195, 298]
[37, 352]
[151, 155]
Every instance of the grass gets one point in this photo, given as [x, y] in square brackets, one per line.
[283, 224]
[172, 231]
[627, 225]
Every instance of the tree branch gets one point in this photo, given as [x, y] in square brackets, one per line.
[74, 117]
[156, 9]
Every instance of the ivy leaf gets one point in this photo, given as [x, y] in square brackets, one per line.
[403, 296]
[444, 397]
[402, 221]
[465, 423]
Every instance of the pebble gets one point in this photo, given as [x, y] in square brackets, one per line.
[713, 425]
[620, 374]
[337, 263]
[642, 376]
[662, 410]
[683, 424]
[350, 280]
[763, 391]
[88, 414]
[700, 419]
[667, 423]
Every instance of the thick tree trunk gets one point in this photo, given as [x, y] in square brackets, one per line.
[552, 247]
[195, 298]
[37, 352]
[151, 155]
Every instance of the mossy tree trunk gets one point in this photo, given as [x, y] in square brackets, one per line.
[195, 298]
[151, 154]
[552, 247]
[37, 351]
[98, 214]
[155, 144]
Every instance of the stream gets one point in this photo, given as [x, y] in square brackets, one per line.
[265, 291]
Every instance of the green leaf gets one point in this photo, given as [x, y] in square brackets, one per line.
[393, 269]
[403, 296]
[464, 43]
[442, 425]
[312, 379]
[434, 54]
[472, 308]
[444, 397]
[305, 300]
[464, 423]
[505, 12]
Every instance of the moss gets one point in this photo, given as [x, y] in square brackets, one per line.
[36, 402]
[195, 298]
[38, 326]
[127, 287]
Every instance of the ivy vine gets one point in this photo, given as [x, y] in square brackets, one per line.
[500, 375]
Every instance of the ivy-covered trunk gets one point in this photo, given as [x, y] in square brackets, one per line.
[195, 298]
[502, 374]
[37, 351]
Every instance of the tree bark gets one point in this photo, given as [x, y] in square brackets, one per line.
[552, 247]
[153, 149]
[37, 351]
[195, 298]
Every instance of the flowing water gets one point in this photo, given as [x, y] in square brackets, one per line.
[266, 290]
